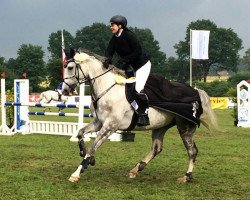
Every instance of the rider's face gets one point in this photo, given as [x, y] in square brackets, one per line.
[114, 28]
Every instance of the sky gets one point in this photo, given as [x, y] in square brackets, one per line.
[32, 21]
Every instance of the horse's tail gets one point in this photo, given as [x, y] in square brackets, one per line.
[208, 117]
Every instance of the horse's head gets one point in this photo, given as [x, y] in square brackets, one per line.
[76, 70]
[81, 67]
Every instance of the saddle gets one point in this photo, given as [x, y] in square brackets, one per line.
[170, 96]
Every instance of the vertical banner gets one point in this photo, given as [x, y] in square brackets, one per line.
[200, 41]
[63, 56]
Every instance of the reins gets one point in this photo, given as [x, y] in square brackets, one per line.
[90, 80]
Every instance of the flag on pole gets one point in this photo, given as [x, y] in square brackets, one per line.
[3, 75]
[200, 41]
[64, 60]
[24, 74]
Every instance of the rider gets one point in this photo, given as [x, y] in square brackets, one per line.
[59, 90]
[128, 47]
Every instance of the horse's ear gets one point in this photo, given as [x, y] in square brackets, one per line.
[72, 53]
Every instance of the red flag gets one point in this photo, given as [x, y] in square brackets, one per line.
[24, 74]
[64, 60]
[3, 75]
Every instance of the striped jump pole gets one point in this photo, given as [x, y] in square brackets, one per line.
[61, 114]
[44, 105]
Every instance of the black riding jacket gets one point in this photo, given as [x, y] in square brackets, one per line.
[128, 47]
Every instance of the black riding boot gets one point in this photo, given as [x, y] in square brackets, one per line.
[59, 97]
[142, 101]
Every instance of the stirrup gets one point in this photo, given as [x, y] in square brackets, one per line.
[143, 120]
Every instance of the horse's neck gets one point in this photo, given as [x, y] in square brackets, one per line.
[101, 80]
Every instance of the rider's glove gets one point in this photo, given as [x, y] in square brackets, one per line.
[106, 63]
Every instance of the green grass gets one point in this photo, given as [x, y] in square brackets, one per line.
[38, 166]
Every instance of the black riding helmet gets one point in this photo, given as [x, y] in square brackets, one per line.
[119, 20]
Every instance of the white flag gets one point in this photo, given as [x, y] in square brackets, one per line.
[200, 41]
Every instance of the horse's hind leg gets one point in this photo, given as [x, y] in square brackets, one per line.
[186, 130]
[157, 143]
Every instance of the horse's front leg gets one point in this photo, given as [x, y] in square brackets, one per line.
[103, 134]
[94, 126]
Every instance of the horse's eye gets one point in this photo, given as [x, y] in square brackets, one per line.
[70, 68]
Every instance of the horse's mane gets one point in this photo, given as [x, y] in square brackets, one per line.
[102, 59]
[98, 57]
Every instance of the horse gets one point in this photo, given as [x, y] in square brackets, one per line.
[49, 95]
[112, 112]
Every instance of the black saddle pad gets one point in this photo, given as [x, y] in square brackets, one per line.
[171, 96]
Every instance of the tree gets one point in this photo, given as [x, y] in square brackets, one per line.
[151, 46]
[94, 38]
[224, 47]
[176, 69]
[54, 67]
[238, 77]
[7, 67]
[246, 59]
[30, 60]
[2, 59]
[55, 43]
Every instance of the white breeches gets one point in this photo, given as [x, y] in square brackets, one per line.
[142, 76]
[59, 91]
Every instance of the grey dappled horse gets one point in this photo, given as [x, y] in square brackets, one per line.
[113, 112]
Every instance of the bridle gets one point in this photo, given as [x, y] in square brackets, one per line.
[76, 75]
[91, 81]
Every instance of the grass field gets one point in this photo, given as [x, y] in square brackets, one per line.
[38, 166]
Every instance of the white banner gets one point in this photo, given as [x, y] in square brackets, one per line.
[200, 41]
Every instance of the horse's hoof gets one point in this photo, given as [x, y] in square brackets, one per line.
[182, 179]
[74, 179]
[186, 179]
[132, 175]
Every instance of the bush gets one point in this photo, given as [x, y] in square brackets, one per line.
[215, 88]
[10, 109]
[235, 79]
